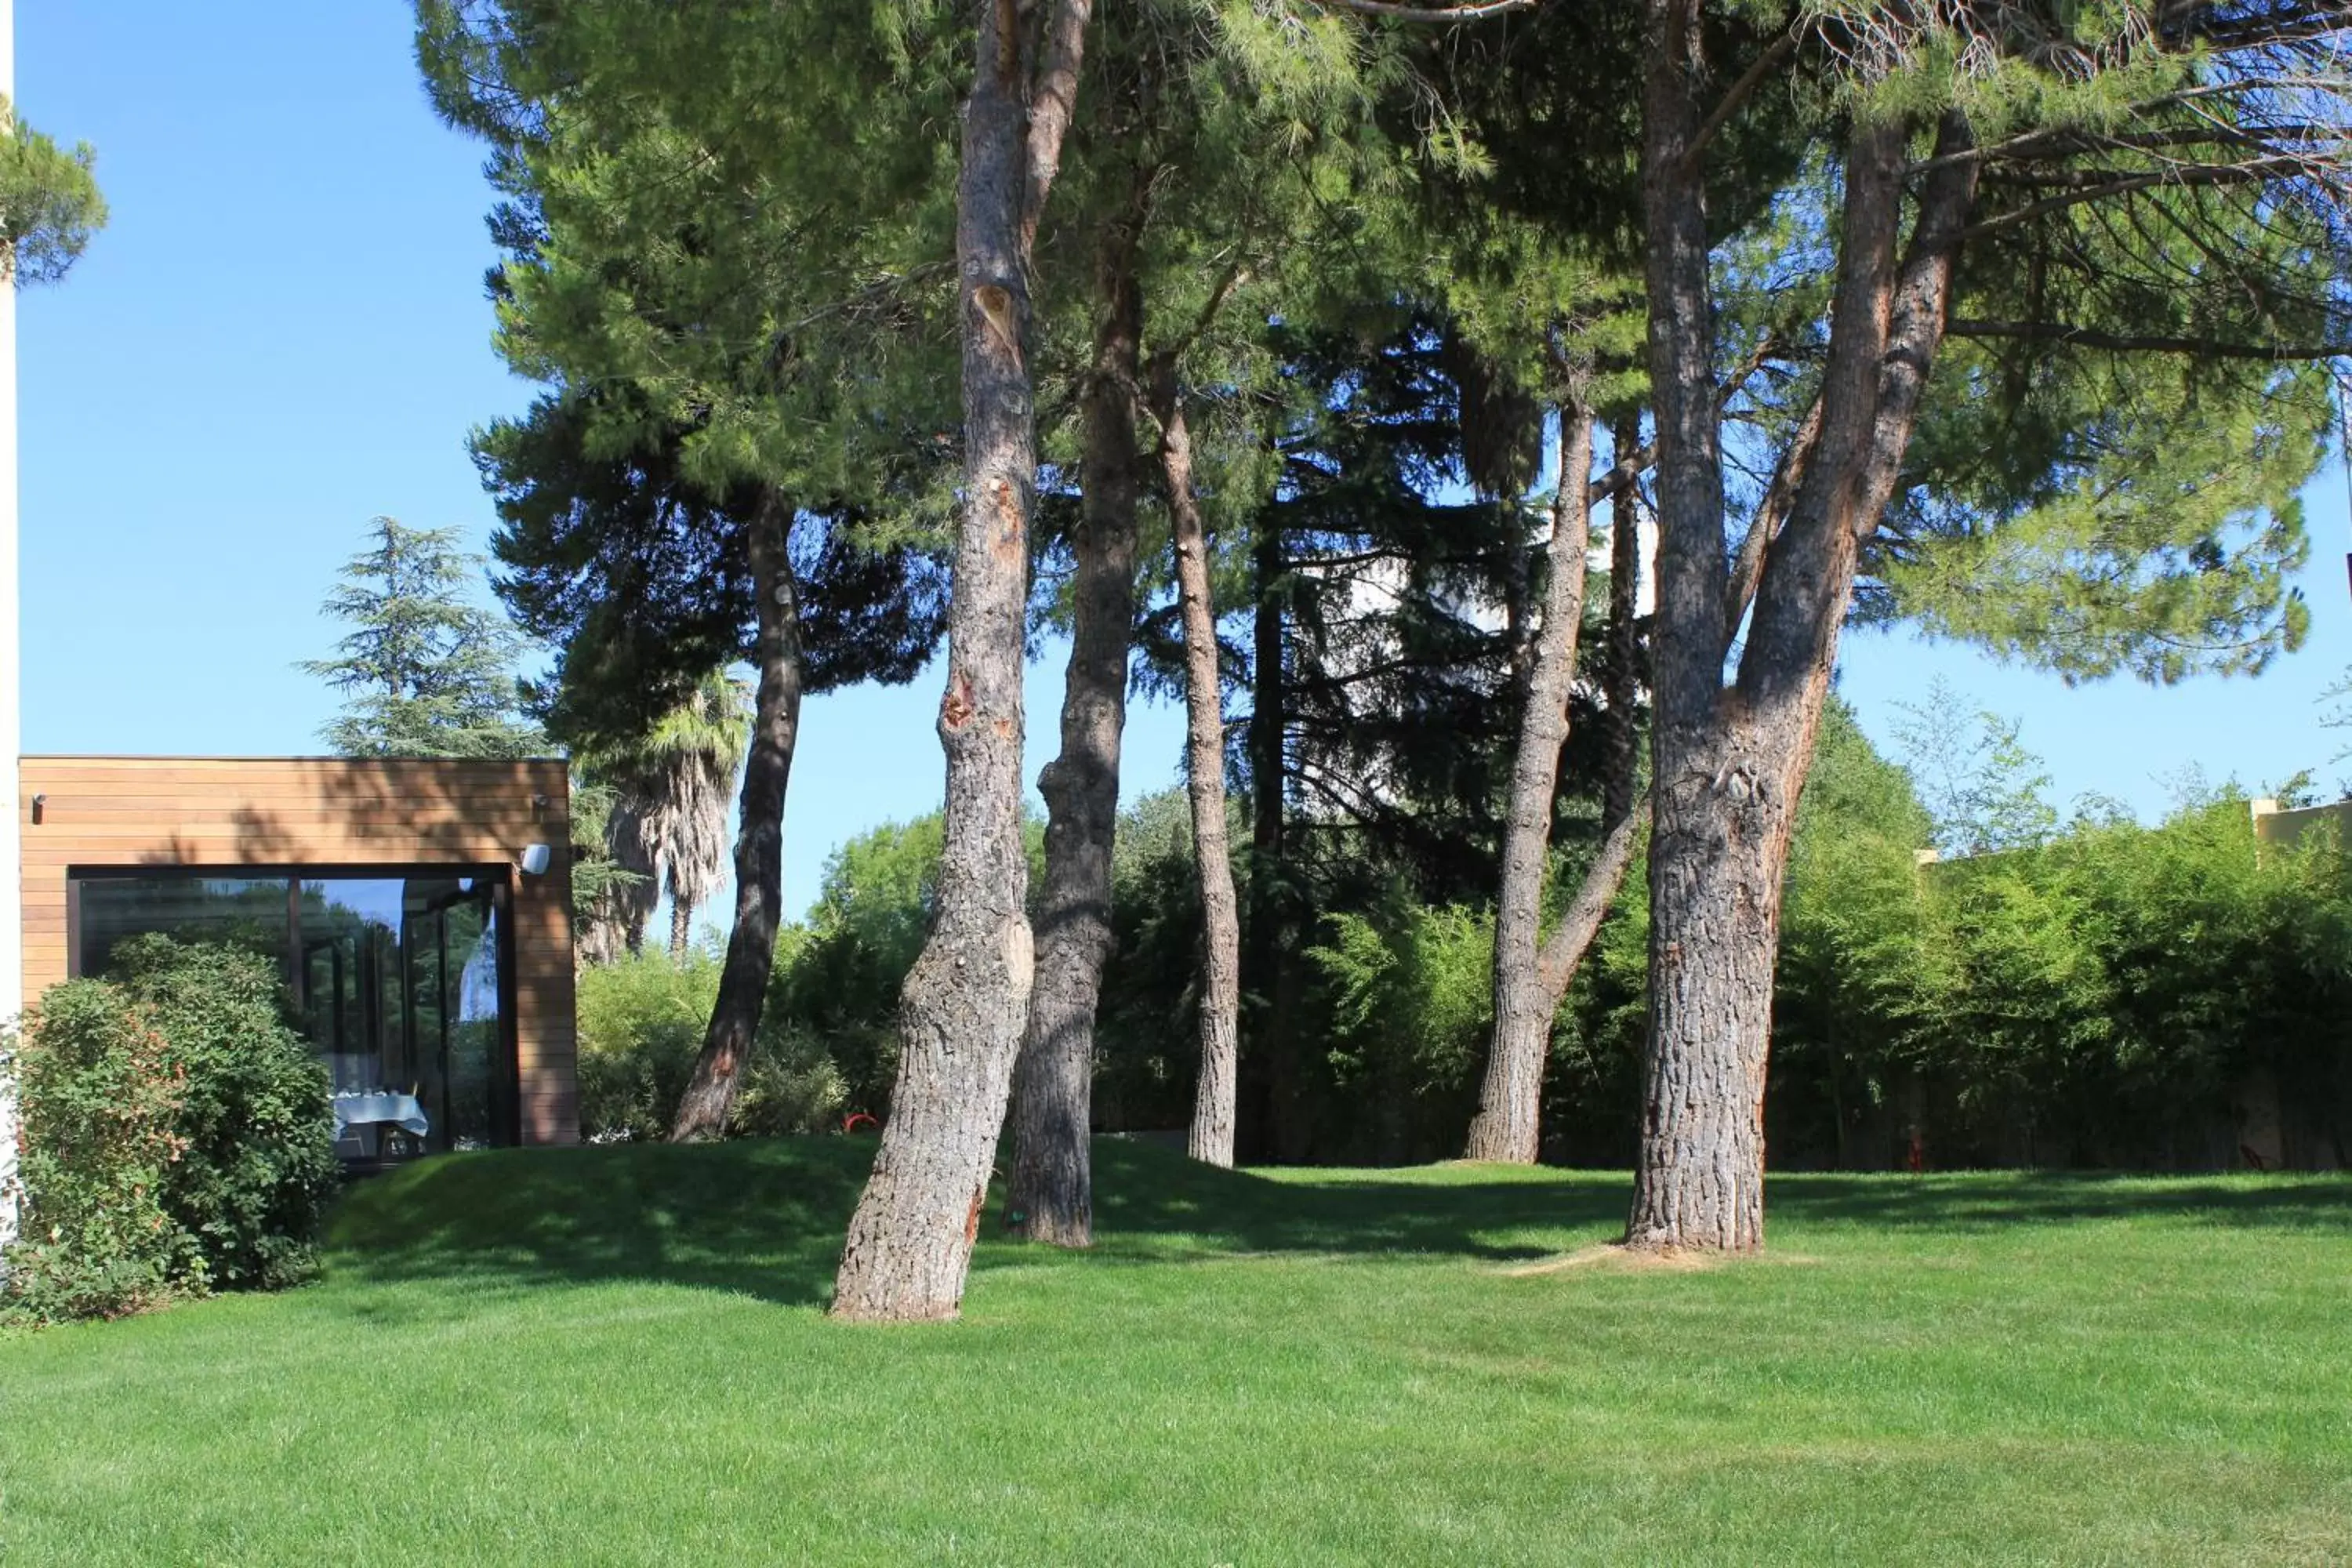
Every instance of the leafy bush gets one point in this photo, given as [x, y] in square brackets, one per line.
[790, 1085]
[640, 1026]
[257, 1166]
[2106, 994]
[1411, 1008]
[100, 1102]
[177, 1136]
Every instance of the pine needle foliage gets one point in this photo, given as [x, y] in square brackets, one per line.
[50, 201]
[426, 673]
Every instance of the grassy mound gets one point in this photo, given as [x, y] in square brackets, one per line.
[618, 1356]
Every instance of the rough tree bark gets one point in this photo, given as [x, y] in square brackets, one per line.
[1050, 1195]
[759, 837]
[1216, 1099]
[681, 928]
[1620, 672]
[1531, 976]
[1729, 764]
[966, 1001]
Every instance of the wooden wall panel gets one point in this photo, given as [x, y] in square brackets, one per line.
[324, 810]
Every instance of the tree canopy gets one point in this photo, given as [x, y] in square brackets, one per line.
[1287, 338]
[50, 201]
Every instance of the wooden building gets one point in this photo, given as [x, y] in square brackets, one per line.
[421, 909]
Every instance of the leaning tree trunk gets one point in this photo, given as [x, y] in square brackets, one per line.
[966, 1001]
[1050, 1195]
[1532, 975]
[1729, 764]
[1505, 1125]
[1215, 1096]
[710, 1096]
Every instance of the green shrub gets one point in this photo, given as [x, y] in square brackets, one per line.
[177, 1136]
[640, 1026]
[641, 1023]
[257, 1167]
[100, 1101]
[791, 1084]
[1411, 1003]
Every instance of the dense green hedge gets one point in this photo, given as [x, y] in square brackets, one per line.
[2093, 992]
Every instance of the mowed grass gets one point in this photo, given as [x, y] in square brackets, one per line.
[618, 1356]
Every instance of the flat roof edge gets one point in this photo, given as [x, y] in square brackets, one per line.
[249, 757]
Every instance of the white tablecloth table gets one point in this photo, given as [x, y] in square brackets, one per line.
[380, 1109]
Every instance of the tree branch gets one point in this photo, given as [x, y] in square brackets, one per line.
[1739, 92]
[1051, 107]
[2146, 343]
[1234, 277]
[2284, 163]
[1556, 960]
[1748, 566]
[1439, 14]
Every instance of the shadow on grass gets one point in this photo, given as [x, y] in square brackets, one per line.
[1994, 1200]
[764, 1217]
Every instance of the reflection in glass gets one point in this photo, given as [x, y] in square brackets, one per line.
[395, 979]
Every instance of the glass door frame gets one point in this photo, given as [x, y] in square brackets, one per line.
[506, 1082]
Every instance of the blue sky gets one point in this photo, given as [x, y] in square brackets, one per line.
[282, 333]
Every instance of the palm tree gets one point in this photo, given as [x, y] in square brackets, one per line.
[613, 881]
[664, 804]
[686, 773]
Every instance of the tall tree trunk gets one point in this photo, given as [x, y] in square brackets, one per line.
[681, 928]
[1505, 1125]
[1532, 975]
[966, 1001]
[1050, 1198]
[1729, 764]
[1620, 671]
[1216, 1099]
[760, 836]
[1278, 1135]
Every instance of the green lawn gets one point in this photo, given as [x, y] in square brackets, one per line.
[618, 1356]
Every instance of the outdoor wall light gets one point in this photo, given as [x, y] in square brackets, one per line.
[535, 857]
[39, 801]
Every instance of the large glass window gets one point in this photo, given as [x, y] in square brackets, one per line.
[397, 977]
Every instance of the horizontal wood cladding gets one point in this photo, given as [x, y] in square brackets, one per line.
[436, 770]
[123, 813]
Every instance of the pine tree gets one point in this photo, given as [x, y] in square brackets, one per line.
[2029, 178]
[723, 467]
[967, 999]
[424, 673]
[50, 201]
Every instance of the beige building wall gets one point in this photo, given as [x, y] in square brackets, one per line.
[284, 812]
[2273, 825]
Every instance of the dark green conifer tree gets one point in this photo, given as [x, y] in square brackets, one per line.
[425, 672]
